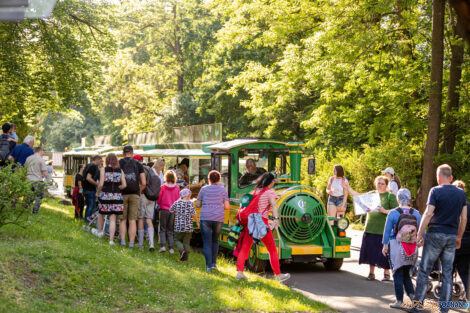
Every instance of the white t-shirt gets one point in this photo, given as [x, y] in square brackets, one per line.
[393, 186]
[336, 189]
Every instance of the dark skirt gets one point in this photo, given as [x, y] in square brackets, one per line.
[371, 251]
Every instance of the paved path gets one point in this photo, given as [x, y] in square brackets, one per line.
[347, 290]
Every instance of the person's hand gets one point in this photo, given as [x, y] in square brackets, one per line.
[420, 241]
[385, 250]
[368, 210]
[382, 210]
[202, 182]
[458, 243]
[198, 224]
[274, 224]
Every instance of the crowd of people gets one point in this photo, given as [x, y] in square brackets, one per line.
[394, 232]
[135, 195]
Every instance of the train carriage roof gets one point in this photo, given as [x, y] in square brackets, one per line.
[229, 145]
[197, 153]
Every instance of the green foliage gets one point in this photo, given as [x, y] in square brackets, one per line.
[16, 196]
[55, 266]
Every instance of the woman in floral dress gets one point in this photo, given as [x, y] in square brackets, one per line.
[110, 202]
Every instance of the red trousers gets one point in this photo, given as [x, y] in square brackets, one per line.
[268, 241]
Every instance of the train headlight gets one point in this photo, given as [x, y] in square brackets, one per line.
[342, 223]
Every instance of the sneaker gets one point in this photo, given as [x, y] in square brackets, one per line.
[396, 305]
[151, 248]
[241, 276]
[184, 255]
[100, 234]
[111, 243]
[386, 277]
[171, 251]
[282, 277]
[208, 269]
[371, 277]
[162, 249]
[214, 268]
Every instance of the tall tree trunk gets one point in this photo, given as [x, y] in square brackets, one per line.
[435, 102]
[455, 75]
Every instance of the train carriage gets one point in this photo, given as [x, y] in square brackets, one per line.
[306, 233]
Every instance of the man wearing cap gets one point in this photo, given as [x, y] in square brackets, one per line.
[446, 215]
[135, 179]
[394, 182]
[147, 206]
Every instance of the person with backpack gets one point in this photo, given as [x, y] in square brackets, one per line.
[446, 215]
[213, 201]
[89, 184]
[147, 204]
[21, 152]
[394, 182]
[400, 245]
[136, 183]
[264, 202]
[371, 247]
[337, 195]
[169, 194]
[6, 145]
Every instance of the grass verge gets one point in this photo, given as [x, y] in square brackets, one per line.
[54, 266]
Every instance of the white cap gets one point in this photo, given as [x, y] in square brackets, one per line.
[389, 170]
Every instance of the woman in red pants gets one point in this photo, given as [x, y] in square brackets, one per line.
[267, 202]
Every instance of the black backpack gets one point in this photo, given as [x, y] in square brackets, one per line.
[4, 150]
[130, 167]
[152, 190]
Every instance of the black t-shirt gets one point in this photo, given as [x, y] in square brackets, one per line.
[93, 170]
[78, 178]
[448, 201]
[132, 170]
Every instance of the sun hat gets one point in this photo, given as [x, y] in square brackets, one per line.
[389, 170]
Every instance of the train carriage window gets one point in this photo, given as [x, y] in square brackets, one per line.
[251, 165]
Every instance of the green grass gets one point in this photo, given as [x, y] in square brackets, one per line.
[54, 266]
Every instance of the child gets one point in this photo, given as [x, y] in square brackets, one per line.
[185, 214]
[403, 251]
[50, 171]
[338, 196]
[13, 135]
[180, 179]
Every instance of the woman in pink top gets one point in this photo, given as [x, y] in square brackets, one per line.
[169, 193]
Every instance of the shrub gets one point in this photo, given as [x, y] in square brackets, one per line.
[363, 165]
[16, 196]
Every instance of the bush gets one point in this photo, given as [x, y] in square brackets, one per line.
[16, 196]
[363, 165]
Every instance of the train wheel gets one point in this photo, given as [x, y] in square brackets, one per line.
[255, 264]
[333, 264]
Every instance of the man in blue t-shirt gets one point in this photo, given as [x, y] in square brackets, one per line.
[22, 152]
[446, 215]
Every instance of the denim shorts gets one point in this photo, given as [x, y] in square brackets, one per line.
[336, 201]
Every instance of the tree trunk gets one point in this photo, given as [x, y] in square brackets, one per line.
[435, 102]
[455, 75]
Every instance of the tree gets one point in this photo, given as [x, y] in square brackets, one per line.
[435, 103]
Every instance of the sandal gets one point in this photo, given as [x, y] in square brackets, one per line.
[386, 277]
[371, 277]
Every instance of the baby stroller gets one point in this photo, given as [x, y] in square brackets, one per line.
[435, 281]
[93, 224]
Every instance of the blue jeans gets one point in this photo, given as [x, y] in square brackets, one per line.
[210, 232]
[442, 246]
[401, 278]
[90, 200]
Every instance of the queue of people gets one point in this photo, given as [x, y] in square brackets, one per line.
[394, 232]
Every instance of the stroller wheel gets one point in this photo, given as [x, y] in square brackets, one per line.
[456, 289]
[429, 287]
[437, 291]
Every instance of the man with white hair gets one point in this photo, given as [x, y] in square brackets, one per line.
[22, 152]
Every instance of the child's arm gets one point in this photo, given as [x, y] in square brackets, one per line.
[328, 188]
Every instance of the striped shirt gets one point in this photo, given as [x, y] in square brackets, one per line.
[213, 198]
[264, 207]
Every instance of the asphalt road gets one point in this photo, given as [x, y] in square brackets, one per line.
[346, 290]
